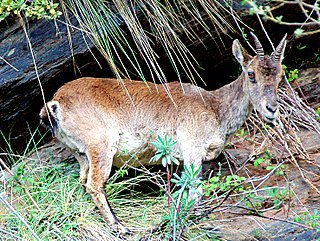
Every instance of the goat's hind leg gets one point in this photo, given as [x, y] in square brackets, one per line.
[100, 163]
[84, 167]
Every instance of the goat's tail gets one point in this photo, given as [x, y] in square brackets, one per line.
[49, 116]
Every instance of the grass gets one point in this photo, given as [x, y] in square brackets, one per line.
[129, 34]
[44, 190]
[58, 206]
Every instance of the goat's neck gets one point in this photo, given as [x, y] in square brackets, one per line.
[235, 106]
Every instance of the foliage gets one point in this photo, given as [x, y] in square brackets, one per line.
[278, 195]
[270, 11]
[312, 220]
[292, 74]
[52, 201]
[165, 150]
[242, 132]
[266, 159]
[275, 194]
[189, 179]
[222, 184]
[183, 199]
[187, 184]
[35, 9]
[318, 113]
[38, 193]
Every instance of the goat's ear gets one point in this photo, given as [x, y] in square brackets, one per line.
[240, 53]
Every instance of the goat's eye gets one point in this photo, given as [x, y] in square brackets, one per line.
[252, 76]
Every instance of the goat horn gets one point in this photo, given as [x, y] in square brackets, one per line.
[276, 55]
[259, 48]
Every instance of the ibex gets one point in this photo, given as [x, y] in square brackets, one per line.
[95, 118]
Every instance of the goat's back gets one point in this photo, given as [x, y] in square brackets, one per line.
[134, 102]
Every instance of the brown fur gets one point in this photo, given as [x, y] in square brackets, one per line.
[98, 118]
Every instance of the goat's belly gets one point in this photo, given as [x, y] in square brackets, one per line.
[136, 151]
[138, 157]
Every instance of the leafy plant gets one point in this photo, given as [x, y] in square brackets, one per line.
[292, 74]
[313, 220]
[165, 149]
[318, 113]
[189, 179]
[278, 195]
[242, 132]
[266, 159]
[258, 161]
[35, 9]
[183, 199]
[270, 10]
[280, 170]
[275, 194]
[220, 183]
[254, 201]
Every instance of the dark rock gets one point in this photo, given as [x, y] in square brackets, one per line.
[20, 95]
[279, 231]
[308, 86]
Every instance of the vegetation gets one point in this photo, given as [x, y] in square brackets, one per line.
[310, 11]
[318, 113]
[35, 9]
[291, 74]
[42, 196]
[50, 203]
[312, 219]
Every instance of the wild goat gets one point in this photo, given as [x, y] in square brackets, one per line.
[96, 119]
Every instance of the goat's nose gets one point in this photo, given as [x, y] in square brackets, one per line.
[272, 107]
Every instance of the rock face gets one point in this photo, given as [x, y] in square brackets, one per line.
[308, 86]
[20, 95]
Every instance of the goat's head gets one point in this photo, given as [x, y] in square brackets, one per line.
[262, 75]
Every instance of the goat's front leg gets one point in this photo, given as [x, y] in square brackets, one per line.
[194, 156]
[100, 159]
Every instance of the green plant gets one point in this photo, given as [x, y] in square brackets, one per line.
[220, 183]
[50, 198]
[280, 171]
[165, 150]
[292, 74]
[183, 199]
[270, 11]
[312, 220]
[35, 9]
[242, 132]
[254, 201]
[278, 196]
[258, 161]
[275, 194]
[266, 159]
[318, 113]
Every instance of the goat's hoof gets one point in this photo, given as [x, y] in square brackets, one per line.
[83, 181]
[118, 227]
